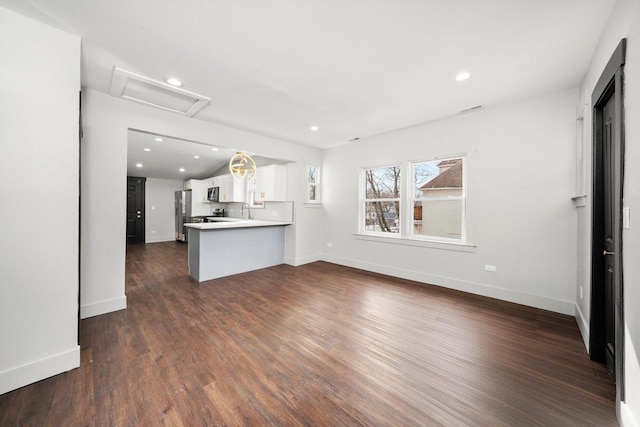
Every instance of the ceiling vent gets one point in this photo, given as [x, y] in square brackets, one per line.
[134, 87]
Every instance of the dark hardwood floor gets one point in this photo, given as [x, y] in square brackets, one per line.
[317, 345]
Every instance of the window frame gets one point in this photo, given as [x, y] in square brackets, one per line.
[363, 202]
[317, 185]
[411, 199]
[406, 235]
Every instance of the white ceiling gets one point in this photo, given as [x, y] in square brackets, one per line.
[353, 68]
[165, 158]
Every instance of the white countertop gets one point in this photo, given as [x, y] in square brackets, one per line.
[227, 223]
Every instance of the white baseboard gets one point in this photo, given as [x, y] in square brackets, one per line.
[103, 307]
[583, 325]
[558, 306]
[31, 372]
[626, 417]
[160, 239]
[302, 260]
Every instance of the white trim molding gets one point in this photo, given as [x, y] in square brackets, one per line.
[583, 325]
[296, 262]
[537, 301]
[31, 372]
[103, 307]
[626, 416]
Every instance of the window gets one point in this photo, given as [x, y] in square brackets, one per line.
[313, 184]
[438, 199]
[432, 208]
[381, 201]
[251, 194]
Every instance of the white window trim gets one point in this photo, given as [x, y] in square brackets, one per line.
[411, 198]
[318, 185]
[405, 237]
[362, 201]
[433, 244]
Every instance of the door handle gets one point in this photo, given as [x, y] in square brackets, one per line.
[608, 253]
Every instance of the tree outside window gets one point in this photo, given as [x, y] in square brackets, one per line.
[313, 184]
[382, 200]
[433, 208]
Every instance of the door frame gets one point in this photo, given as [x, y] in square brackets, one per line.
[609, 87]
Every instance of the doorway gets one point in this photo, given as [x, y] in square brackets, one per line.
[607, 317]
[135, 209]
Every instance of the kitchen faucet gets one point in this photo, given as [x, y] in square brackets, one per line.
[248, 210]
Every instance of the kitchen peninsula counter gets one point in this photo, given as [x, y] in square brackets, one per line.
[230, 246]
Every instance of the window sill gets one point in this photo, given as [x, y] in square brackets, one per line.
[448, 246]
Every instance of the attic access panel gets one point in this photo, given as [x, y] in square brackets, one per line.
[134, 87]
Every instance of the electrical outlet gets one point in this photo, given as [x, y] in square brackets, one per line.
[580, 292]
[329, 244]
[153, 231]
[491, 268]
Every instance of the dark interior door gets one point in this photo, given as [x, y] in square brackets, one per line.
[606, 337]
[135, 209]
[608, 113]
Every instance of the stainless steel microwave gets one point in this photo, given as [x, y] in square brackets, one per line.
[213, 194]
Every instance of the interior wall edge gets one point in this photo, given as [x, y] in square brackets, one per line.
[298, 261]
[583, 326]
[627, 419]
[476, 288]
[29, 373]
[161, 239]
[103, 307]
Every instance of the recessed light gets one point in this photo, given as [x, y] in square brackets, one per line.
[314, 128]
[181, 169]
[463, 76]
[138, 165]
[214, 149]
[157, 139]
[147, 149]
[173, 81]
[196, 157]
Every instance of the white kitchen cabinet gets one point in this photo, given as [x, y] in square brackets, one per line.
[238, 189]
[231, 189]
[225, 194]
[196, 187]
[211, 182]
[271, 184]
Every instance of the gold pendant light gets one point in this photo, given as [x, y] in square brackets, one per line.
[242, 165]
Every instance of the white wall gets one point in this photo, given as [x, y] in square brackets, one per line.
[624, 22]
[106, 121]
[520, 186]
[160, 209]
[309, 236]
[39, 86]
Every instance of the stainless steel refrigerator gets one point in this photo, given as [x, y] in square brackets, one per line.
[183, 213]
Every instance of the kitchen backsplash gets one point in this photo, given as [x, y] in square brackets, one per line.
[272, 211]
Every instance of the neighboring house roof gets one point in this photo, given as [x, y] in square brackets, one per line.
[450, 178]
